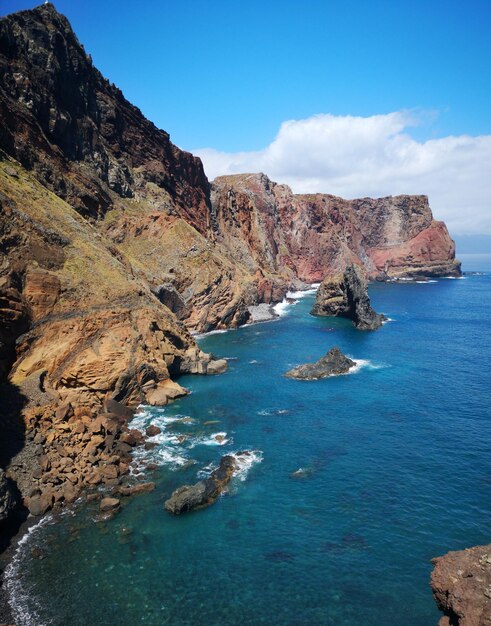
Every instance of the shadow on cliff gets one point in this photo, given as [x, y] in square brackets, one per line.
[12, 439]
[12, 427]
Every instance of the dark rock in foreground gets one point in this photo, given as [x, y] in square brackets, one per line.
[204, 492]
[346, 295]
[461, 584]
[332, 364]
[8, 499]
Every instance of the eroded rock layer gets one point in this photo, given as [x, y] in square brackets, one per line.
[308, 236]
[113, 246]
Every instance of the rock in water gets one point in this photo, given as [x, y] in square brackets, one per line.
[205, 492]
[332, 364]
[461, 584]
[346, 295]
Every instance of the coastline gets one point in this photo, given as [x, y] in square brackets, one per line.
[6, 558]
[6, 613]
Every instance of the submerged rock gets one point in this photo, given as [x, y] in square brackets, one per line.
[204, 492]
[333, 363]
[461, 584]
[109, 504]
[346, 295]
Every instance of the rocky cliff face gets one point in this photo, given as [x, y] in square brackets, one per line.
[80, 138]
[81, 329]
[309, 236]
[461, 584]
[113, 246]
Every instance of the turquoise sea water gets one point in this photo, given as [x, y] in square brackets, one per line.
[397, 461]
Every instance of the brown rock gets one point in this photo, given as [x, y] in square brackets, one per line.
[109, 471]
[217, 366]
[152, 430]
[109, 504]
[461, 584]
[137, 489]
[38, 505]
[164, 392]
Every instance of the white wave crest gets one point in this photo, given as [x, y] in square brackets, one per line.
[246, 459]
[211, 332]
[216, 439]
[362, 364]
[25, 614]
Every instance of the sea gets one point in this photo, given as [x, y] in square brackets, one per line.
[353, 484]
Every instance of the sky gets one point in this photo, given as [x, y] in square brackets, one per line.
[350, 97]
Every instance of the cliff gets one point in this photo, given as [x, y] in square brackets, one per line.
[80, 138]
[113, 246]
[461, 584]
[309, 236]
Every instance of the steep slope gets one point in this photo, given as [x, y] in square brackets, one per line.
[113, 246]
[82, 334]
[84, 141]
[310, 236]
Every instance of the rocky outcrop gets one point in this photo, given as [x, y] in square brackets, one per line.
[461, 584]
[346, 295]
[112, 250]
[333, 363]
[81, 330]
[204, 492]
[273, 231]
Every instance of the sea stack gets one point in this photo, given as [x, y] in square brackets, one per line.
[333, 363]
[346, 295]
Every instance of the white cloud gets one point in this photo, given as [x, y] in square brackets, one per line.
[374, 156]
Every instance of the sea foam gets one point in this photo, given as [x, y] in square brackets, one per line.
[21, 603]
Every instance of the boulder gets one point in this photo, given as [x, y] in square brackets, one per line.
[8, 500]
[39, 504]
[152, 431]
[217, 366]
[333, 363]
[133, 490]
[204, 492]
[346, 295]
[109, 504]
[164, 392]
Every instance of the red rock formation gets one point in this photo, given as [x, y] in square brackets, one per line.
[461, 584]
[309, 236]
[108, 232]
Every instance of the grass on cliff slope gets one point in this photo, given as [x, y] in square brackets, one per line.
[90, 274]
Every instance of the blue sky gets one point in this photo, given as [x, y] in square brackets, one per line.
[226, 74]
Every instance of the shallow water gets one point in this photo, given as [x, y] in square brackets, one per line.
[395, 462]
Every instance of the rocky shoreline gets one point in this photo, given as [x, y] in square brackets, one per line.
[114, 247]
